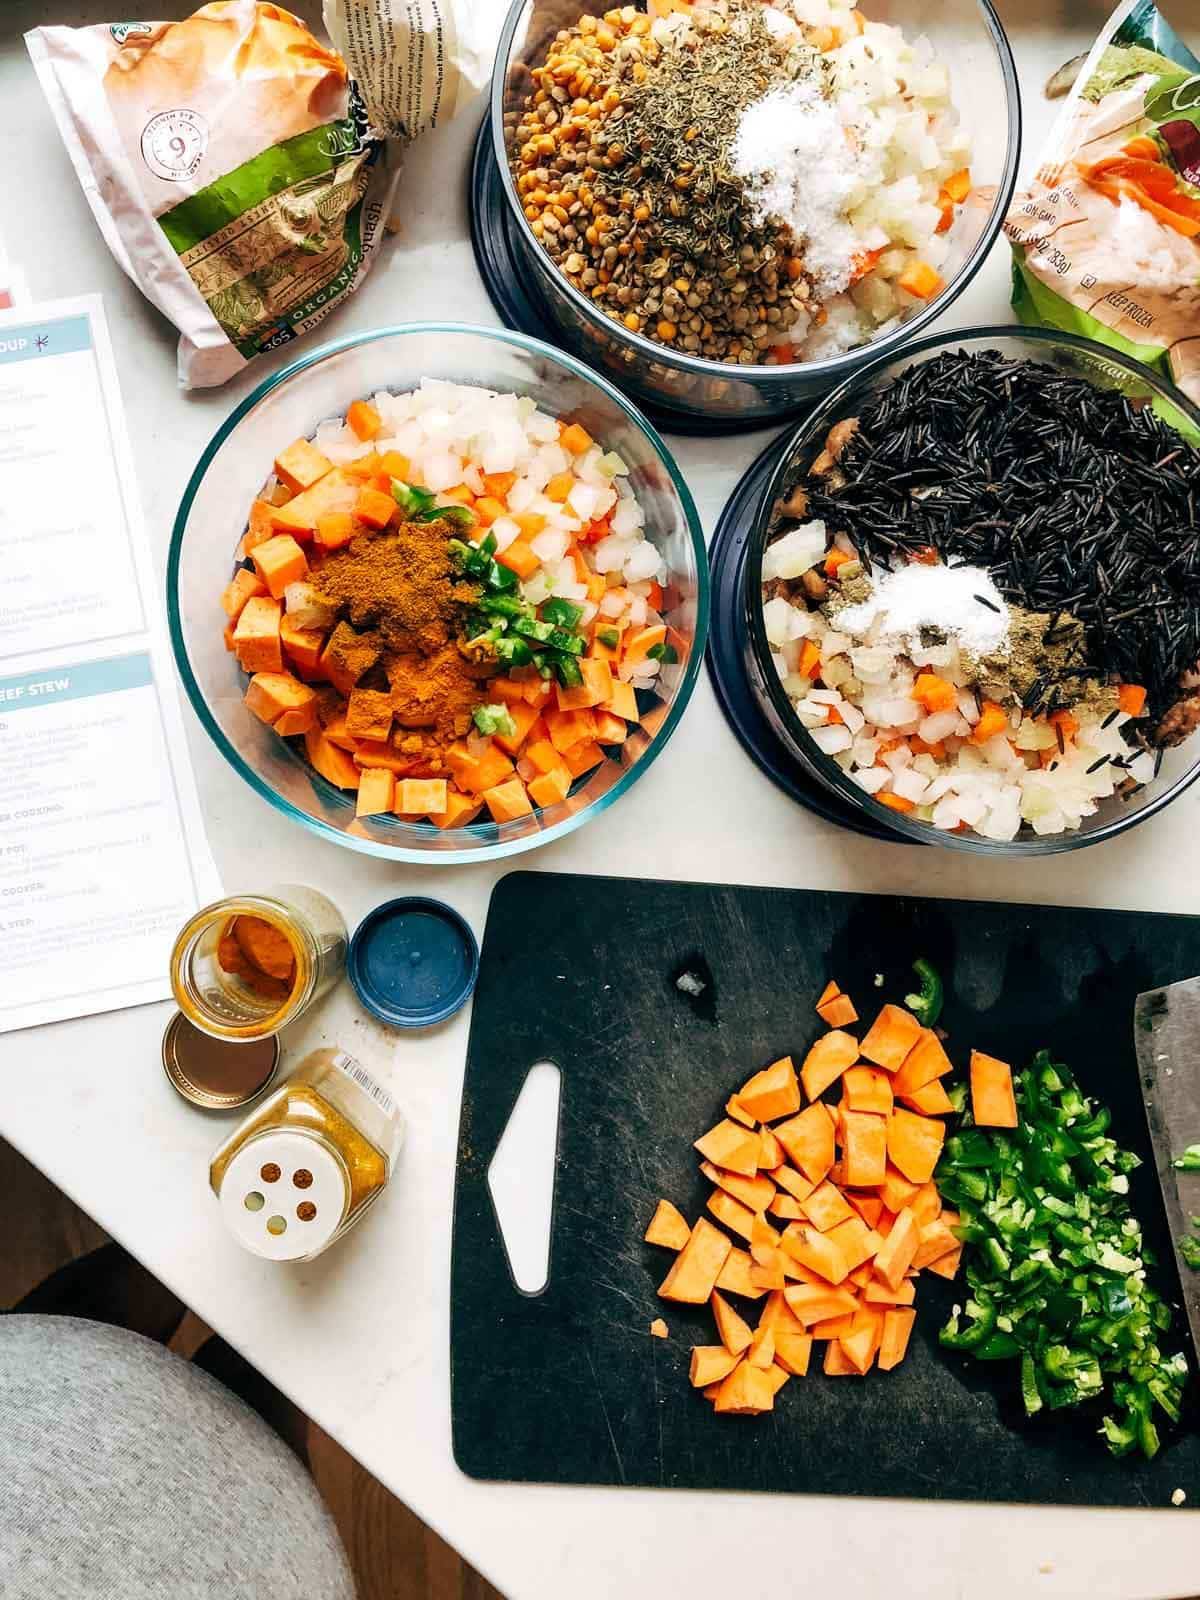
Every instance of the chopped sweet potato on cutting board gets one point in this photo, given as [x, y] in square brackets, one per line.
[890, 1037]
[808, 1140]
[659, 1329]
[827, 1060]
[736, 1333]
[667, 1227]
[730, 1146]
[771, 1093]
[756, 1193]
[693, 1276]
[992, 1101]
[734, 1276]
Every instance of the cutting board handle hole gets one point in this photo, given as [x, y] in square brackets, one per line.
[521, 1177]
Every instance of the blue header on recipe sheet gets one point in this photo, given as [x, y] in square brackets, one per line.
[75, 683]
[60, 336]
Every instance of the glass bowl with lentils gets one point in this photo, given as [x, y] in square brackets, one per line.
[730, 205]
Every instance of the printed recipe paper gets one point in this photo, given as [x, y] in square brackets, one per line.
[102, 852]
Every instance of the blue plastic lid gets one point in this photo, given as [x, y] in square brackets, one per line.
[413, 962]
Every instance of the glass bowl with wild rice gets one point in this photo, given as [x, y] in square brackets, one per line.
[730, 205]
[972, 597]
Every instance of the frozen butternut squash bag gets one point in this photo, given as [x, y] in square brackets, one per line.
[1106, 239]
[235, 171]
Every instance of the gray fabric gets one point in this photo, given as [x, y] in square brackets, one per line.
[126, 1474]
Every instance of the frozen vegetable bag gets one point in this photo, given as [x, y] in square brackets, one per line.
[1106, 240]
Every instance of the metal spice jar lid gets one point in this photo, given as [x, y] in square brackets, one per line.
[217, 1074]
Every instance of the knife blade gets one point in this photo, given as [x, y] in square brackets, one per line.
[1166, 1032]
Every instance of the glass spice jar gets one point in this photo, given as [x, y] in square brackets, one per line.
[244, 967]
[305, 1165]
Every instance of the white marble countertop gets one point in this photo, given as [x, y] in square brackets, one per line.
[360, 1338]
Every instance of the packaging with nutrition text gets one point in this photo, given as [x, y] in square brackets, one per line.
[1106, 239]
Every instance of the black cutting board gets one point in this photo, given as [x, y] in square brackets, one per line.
[567, 1386]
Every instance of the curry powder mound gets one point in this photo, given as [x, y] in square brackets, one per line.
[402, 589]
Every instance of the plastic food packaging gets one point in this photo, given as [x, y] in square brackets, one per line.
[1106, 239]
[235, 171]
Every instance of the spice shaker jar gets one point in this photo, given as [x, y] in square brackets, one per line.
[306, 1164]
[245, 966]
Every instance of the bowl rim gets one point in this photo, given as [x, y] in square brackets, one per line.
[832, 368]
[486, 850]
[822, 767]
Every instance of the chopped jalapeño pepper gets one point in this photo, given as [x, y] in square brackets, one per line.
[926, 1003]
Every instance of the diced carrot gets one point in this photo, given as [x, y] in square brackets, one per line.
[771, 1093]
[256, 635]
[529, 522]
[638, 643]
[1064, 723]
[374, 508]
[890, 1037]
[1131, 699]
[693, 1275]
[333, 764]
[462, 494]
[301, 465]
[920, 280]
[243, 586]
[914, 1143]
[864, 1137]
[993, 720]
[278, 562]
[363, 419]
[524, 716]
[366, 469]
[730, 1146]
[958, 184]
[667, 1227]
[945, 205]
[575, 439]
[897, 1328]
[508, 801]
[808, 1140]
[270, 694]
[835, 559]
[460, 810]
[335, 529]
[499, 483]
[867, 1089]
[993, 1103]
[810, 660]
[376, 792]
[934, 693]
[825, 1062]
[559, 487]
[519, 558]
[393, 465]
[550, 788]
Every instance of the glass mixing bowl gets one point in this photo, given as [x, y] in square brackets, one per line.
[1078, 357]
[966, 34]
[291, 404]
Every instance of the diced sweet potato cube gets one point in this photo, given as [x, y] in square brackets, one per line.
[926, 1204]
[786, 1208]
[903, 1294]
[828, 993]
[659, 1329]
[302, 646]
[333, 764]
[623, 702]
[369, 714]
[836, 1363]
[729, 1146]
[808, 1140]
[936, 1240]
[895, 1255]
[595, 689]
[336, 491]
[827, 1060]
[993, 1103]
[301, 465]
[833, 1327]
[550, 788]
[914, 1143]
[348, 655]
[736, 1217]
[694, 1272]
[825, 1207]
[735, 1333]
[363, 419]
[796, 1184]
[337, 733]
[492, 769]
[746, 1389]
[582, 757]
[260, 526]
[256, 635]
[864, 1153]
[243, 586]
[926, 1061]
[856, 1242]
[421, 797]
[762, 1348]
[867, 1089]
[278, 562]
[508, 801]
[544, 755]
[335, 529]
[773, 1092]
[270, 694]
[779, 1316]
[819, 1252]
[296, 722]
[838, 1012]
[734, 1276]
[667, 1227]
[946, 1266]
[518, 557]
[374, 508]
[756, 1193]
[710, 1363]
[897, 1328]
[896, 1191]
[860, 1345]
[769, 1273]
[931, 1100]
[792, 1352]
[890, 1037]
[375, 792]
[609, 729]
[811, 1303]
[764, 1241]
[770, 1151]
[460, 810]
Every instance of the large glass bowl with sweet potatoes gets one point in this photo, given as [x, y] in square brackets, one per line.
[262, 719]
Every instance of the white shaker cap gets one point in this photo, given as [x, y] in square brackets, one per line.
[284, 1195]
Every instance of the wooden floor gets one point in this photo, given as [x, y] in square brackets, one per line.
[393, 1554]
